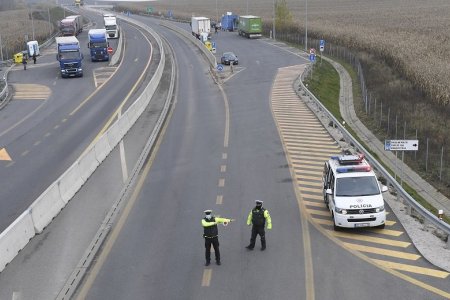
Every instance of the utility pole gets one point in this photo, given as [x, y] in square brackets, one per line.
[273, 23]
[306, 28]
[1, 48]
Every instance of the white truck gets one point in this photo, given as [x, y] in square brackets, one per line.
[110, 22]
[201, 28]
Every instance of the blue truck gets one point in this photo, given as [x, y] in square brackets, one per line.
[98, 44]
[69, 56]
[229, 22]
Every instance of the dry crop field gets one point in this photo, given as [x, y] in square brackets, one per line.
[15, 25]
[412, 35]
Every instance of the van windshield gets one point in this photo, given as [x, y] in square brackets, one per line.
[357, 186]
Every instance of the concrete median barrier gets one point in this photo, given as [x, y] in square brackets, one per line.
[46, 207]
[15, 238]
[102, 148]
[70, 182]
[88, 163]
[114, 135]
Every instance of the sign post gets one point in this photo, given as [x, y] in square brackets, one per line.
[321, 48]
[401, 145]
[110, 50]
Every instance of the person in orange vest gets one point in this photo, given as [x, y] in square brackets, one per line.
[211, 235]
[259, 217]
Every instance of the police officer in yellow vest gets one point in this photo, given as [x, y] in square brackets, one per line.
[211, 235]
[259, 217]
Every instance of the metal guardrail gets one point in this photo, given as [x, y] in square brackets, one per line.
[412, 204]
[4, 92]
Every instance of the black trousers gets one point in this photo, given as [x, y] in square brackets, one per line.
[255, 231]
[215, 243]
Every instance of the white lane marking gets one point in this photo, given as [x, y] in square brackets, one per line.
[17, 296]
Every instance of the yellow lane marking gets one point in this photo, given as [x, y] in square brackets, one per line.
[325, 213]
[299, 154]
[298, 138]
[223, 168]
[31, 92]
[311, 183]
[316, 173]
[221, 182]
[386, 231]
[315, 204]
[4, 155]
[307, 145]
[330, 222]
[307, 162]
[412, 269]
[206, 279]
[301, 177]
[307, 189]
[312, 197]
[323, 221]
[370, 239]
[219, 199]
[390, 223]
[380, 251]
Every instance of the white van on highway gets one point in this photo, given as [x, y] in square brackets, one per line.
[352, 193]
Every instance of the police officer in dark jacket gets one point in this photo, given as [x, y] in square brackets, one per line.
[259, 217]
[211, 235]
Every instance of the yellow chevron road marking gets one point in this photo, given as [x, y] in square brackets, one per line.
[312, 197]
[31, 92]
[307, 189]
[412, 269]
[380, 251]
[315, 204]
[386, 231]
[4, 155]
[301, 177]
[325, 213]
[369, 239]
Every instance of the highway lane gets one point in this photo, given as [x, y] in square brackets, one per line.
[160, 252]
[165, 221]
[49, 135]
[41, 270]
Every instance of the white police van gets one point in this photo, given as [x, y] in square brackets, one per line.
[352, 192]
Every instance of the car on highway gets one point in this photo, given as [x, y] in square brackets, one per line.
[229, 58]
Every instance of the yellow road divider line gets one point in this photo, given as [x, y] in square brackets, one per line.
[370, 239]
[374, 250]
[412, 269]
[325, 213]
[315, 204]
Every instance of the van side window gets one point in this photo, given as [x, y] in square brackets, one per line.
[326, 168]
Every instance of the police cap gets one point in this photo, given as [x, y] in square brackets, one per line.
[208, 212]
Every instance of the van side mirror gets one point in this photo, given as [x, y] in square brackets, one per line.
[384, 188]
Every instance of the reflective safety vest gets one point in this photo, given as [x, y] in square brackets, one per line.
[210, 231]
[258, 218]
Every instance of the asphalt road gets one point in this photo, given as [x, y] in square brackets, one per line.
[221, 152]
[50, 121]
[207, 161]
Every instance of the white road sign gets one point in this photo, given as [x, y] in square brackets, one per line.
[401, 145]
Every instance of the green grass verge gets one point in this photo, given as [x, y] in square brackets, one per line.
[324, 83]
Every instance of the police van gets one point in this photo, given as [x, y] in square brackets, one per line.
[352, 192]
